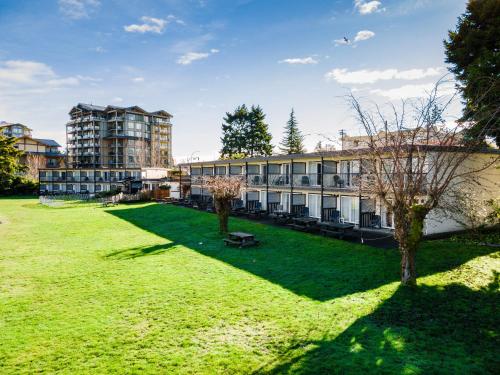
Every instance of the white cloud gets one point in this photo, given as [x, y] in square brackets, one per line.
[367, 7]
[138, 79]
[413, 91]
[99, 49]
[88, 78]
[359, 37]
[343, 41]
[76, 9]
[117, 99]
[365, 76]
[189, 57]
[17, 76]
[363, 35]
[152, 25]
[299, 61]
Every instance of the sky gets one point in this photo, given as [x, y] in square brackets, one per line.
[198, 59]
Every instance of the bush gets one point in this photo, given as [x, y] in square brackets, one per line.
[19, 185]
[108, 193]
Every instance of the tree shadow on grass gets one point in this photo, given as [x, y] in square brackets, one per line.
[445, 330]
[140, 251]
[308, 265]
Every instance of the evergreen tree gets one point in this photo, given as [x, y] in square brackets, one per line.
[233, 133]
[245, 133]
[292, 142]
[10, 165]
[473, 49]
[258, 138]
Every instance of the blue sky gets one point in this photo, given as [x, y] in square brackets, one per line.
[198, 59]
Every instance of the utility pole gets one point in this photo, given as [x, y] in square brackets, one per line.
[342, 133]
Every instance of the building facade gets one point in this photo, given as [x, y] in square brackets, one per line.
[92, 181]
[118, 137]
[47, 151]
[329, 184]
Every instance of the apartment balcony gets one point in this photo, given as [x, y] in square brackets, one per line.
[114, 119]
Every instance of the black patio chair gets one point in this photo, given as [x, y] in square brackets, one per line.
[304, 181]
[338, 182]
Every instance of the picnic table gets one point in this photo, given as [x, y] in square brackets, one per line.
[304, 223]
[280, 215]
[338, 229]
[241, 239]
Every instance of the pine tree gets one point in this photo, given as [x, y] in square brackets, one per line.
[233, 133]
[473, 52]
[10, 164]
[245, 133]
[258, 138]
[292, 142]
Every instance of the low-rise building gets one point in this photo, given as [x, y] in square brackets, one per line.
[329, 184]
[48, 150]
[96, 180]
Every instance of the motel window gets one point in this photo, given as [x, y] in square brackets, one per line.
[43, 174]
[274, 168]
[299, 168]
[253, 169]
[195, 171]
[98, 188]
[220, 170]
[329, 167]
[208, 171]
[83, 187]
[235, 169]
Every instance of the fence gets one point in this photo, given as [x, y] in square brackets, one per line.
[82, 199]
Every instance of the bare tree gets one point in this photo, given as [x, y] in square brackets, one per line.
[224, 190]
[33, 164]
[413, 158]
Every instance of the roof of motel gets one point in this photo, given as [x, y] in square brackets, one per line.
[325, 155]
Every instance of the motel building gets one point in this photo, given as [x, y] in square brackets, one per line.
[329, 184]
[96, 180]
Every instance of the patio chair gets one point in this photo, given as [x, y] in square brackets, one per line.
[338, 182]
[375, 221]
[256, 180]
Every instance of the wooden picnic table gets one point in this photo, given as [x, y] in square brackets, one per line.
[304, 223]
[241, 239]
[340, 229]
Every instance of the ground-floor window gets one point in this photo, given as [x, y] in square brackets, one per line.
[98, 188]
[349, 209]
[314, 204]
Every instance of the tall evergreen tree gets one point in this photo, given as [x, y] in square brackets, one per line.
[245, 133]
[292, 142]
[10, 164]
[258, 138]
[233, 133]
[473, 50]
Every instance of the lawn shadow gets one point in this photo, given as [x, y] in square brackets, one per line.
[452, 327]
[140, 251]
[308, 265]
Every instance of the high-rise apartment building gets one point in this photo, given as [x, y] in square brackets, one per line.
[118, 137]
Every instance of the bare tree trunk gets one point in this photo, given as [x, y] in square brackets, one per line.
[409, 235]
[223, 208]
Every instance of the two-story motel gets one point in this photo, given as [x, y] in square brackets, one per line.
[323, 182]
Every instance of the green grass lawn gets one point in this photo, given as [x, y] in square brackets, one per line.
[147, 288]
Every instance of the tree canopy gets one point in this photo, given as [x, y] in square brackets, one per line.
[473, 50]
[10, 167]
[292, 142]
[245, 133]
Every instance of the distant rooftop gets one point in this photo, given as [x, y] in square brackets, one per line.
[108, 108]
